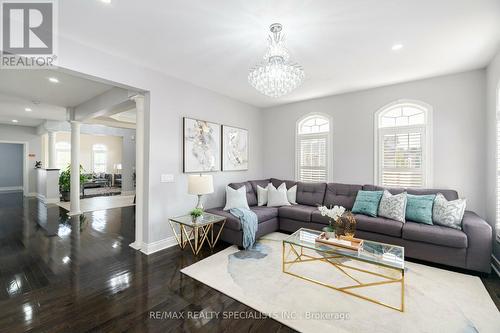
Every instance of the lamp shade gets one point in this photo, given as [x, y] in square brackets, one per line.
[200, 184]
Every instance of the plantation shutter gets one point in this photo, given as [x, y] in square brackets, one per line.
[402, 157]
[312, 158]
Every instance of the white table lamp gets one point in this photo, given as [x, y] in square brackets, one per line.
[199, 185]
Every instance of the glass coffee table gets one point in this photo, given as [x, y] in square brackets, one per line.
[381, 263]
[196, 233]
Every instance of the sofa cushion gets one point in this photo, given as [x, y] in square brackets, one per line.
[232, 222]
[341, 195]
[316, 217]
[289, 183]
[311, 194]
[419, 208]
[392, 190]
[367, 202]
[434, 234]
[378, 225]
[262, 183]
[251, 196]
[265, 213]
[448, 194]
[297, 212]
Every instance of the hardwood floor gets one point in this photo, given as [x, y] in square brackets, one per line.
[79, 275]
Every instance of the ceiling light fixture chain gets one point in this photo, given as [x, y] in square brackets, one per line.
[276, 75]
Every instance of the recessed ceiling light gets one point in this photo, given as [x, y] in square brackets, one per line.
[397, 47]
[15, 120]
[66, 259]
[54, 79]
[106, 1]
[28, 109]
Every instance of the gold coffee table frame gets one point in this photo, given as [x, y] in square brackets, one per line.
[197, 233]
[333, 256]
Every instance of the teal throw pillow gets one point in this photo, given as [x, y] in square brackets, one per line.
[367, 203]
[419, 208]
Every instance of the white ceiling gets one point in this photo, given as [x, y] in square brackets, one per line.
[343, 45]
[34, 85]
[20, 89]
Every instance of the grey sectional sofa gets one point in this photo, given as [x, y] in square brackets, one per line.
[470, 248]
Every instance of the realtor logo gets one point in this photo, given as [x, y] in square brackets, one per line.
[28, 30]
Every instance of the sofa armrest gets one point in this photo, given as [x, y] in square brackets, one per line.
[479, 238]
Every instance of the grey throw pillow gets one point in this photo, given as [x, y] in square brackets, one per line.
[393, 206]
[448, 213]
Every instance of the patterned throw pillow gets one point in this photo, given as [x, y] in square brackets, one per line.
[419, 208]
[367, 203]
[448, 213]
[393, 206]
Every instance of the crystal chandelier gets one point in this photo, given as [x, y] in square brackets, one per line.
[276, 75]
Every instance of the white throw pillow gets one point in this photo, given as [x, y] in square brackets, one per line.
[448, 213]
[393, 206]
[276, 197]
[291, 194]
[236, 198]
[261, 195]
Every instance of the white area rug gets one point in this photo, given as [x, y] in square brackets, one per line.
[436, 300]
[100, 203]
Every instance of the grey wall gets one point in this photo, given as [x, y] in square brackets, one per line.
[11, 165]
[29, 135]
[167, 101]
[493, 85]
[458, 132]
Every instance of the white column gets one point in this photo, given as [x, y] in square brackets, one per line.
[75, 169]
[139, 171]
[52, 150]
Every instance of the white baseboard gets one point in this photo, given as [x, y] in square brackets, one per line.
[11, 188]
[149, 248]
[128, 192]
[45, 200]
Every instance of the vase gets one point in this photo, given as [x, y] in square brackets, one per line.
[329, 233]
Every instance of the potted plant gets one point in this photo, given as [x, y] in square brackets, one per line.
[65, 182]
[196, 214]
[333, 214]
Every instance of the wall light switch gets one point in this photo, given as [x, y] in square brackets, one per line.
[168, 178]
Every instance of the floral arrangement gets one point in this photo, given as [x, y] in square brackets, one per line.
[334, 213]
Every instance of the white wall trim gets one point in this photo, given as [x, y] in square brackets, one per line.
[429, 128]
[44, 199]
[11, 188]
[149, 248]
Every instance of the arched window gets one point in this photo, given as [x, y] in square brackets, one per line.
[99, 158]
[403, 145]
[63, 155]
[312, 150]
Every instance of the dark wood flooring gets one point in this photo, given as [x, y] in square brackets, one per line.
[79, 275]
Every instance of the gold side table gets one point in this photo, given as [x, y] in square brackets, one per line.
[196, 233]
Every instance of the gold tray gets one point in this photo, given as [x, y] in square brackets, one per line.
[353, 243]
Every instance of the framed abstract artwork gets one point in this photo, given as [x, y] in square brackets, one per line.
[201, 146]
[234, 148]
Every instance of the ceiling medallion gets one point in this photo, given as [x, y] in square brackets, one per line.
[276, 75]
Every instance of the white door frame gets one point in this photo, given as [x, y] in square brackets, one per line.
[25, 164]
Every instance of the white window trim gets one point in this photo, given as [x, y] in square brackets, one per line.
[428, 153]
[99, 151]
[63, 150]
[329, 148]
